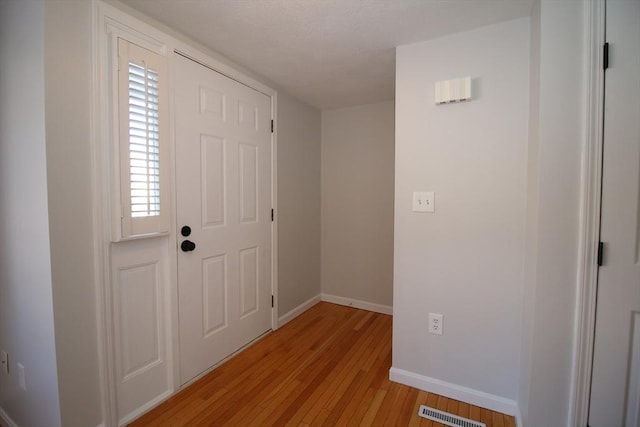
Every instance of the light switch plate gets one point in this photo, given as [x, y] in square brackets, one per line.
[424, 201]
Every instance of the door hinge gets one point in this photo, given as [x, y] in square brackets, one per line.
[271, 126]
[271, 301]
[271, 215]
[605, 56]
[600, 253]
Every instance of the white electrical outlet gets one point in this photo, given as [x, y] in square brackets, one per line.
[424, 201]
[21, 379]
[435, 323]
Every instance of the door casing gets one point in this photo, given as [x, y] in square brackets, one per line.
[591, 178]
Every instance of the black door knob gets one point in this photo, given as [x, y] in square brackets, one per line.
[187, 246]
[185, 231]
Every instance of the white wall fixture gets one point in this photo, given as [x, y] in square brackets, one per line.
[424, 201]
[455, 90]
[436, 323]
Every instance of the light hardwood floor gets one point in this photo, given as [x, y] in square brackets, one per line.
[327, 367]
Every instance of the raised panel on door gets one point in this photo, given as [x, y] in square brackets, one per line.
[213, 180]
[223, 177]
[139, 282]
[249, 289]
[214, 295]
[248, 171]
[248, 115]
[212, 103]
[139, 331]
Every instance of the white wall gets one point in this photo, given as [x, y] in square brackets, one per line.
[69, 179]
[465, 260]
[357, 202]
[26, 306]
[554, 212]
[298, 203]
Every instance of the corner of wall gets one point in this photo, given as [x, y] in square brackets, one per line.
[531, 214]
[357, 204]
[68, 94]
[298, 213]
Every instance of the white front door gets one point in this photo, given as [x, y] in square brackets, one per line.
[615, 388]
[223, 180]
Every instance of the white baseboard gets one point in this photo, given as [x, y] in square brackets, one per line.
[453, 391]
[137, 413]
[518, 417]
[350, 302]
[6, 420]
[287, 317]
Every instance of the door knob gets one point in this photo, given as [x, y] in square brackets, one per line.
[187, 246]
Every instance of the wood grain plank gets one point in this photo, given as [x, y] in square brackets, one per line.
[421, 399]
[486, 417]
[497, 419]
[407, 411]
[475, 413]
[509, 421]
[463, 409]
[372, 411]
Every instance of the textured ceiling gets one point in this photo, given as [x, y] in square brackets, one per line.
[328, 53]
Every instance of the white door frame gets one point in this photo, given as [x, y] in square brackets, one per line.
[594, 38]
[107, 14]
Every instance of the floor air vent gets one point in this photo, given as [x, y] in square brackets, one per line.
[447, 418]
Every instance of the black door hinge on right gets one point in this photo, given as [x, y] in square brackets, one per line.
[600, 253]
[605, 56]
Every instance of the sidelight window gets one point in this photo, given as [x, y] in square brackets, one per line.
[142, 120]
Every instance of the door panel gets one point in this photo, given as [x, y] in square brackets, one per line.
[249, 281]
[213, 183]
[139, 275]
[214, 294]
[248, 182]
[223, 176]
[614, 389]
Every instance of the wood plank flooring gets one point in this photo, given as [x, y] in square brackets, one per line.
[328, 367]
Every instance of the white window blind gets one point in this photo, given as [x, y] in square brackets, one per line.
[142, 118]
[144, 141]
